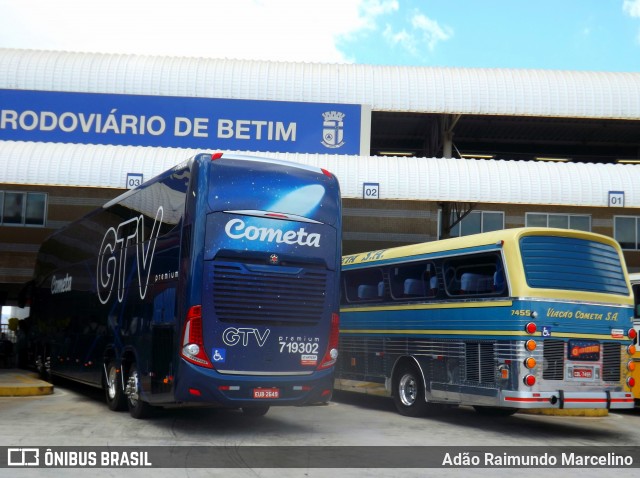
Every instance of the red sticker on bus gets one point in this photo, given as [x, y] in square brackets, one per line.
[582, 373]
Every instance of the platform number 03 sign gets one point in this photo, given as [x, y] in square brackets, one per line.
[616, 198]
[134, 180]
[371, 191]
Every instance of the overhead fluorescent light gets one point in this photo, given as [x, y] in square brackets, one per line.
[628, 161]
[394, 153]
[477, 156]
[546, 158]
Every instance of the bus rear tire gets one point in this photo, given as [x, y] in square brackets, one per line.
[408, 391]
[138, 408]
[255, 411]
[112, 385]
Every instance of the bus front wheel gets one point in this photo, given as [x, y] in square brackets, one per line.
[408, 391]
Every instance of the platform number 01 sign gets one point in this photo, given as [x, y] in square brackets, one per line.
[616, 198]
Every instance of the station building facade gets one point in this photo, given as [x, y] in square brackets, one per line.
[421, 153]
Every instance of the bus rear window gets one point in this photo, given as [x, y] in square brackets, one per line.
[552, 262]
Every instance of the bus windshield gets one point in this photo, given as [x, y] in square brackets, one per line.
[265, 188]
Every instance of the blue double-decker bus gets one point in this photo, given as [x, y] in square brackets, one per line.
[216, 282]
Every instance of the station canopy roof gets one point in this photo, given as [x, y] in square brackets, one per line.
[399, 178]
[501, 113]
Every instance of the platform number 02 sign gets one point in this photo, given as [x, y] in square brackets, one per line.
[616, 198]
[371, 191]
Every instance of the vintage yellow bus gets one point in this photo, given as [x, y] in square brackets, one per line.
[635, 286]
[502, 321]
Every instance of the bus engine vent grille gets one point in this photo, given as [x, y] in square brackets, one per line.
[480, 362]
[553, 355]
[274, 295]
[611, 362]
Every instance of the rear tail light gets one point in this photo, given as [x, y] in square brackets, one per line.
[529, 380]
[192, 339]
[632, 334]
[530, 328]
[331, 354]
[631, 382]
[215, 156]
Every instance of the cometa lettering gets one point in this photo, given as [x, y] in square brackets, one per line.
[237, 229]
[58, 286]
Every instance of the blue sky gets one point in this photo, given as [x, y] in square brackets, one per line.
[596, 35]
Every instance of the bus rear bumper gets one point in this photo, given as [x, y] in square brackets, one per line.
[199, 385]
[567, 400]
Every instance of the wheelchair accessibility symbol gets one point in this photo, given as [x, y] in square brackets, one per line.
[546, 331]
[219, 355]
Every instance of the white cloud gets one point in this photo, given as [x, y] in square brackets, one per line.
[432, 33]
[631, 8]
[288, 30]
[423, 32]
[402, 38]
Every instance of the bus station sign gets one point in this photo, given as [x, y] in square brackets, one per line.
[184, 122]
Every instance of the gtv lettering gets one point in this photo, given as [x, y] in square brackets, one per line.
[234, 336]
[112, 267]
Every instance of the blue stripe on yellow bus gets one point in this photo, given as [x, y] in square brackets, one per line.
[446, 305]
[472, 333]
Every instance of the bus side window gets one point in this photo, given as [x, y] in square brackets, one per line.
[412, 281]
[414, 287]
[366, 291]
[433, 286]
[452, 284]
[498, 281]
[474, 275]
[362, 286]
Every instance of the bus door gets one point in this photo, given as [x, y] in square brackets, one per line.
[163, 351]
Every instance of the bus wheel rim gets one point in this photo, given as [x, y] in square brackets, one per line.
[111, 382]
[408, 390]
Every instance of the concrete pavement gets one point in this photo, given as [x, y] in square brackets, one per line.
[22, 383]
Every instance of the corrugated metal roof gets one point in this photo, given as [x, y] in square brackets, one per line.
[424, 179]
[548, 93]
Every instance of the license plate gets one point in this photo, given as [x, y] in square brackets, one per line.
[582, 373]
[266, 393]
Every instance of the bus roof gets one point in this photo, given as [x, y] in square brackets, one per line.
[482, 240]
[506, 240]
